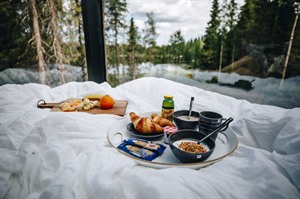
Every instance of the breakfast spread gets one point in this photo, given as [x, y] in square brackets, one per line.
[168, 130]
[151, 124]
[94, 96]
[160, 120]
[87, 103]
[78, 104]
[143, 139]
[167, 110]
[106, 102]
[188, 118]
[142, 149]
[152, 146]
[191, 146]
[183, 140]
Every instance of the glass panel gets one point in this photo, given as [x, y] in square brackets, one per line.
[245, 49]
[248, 49]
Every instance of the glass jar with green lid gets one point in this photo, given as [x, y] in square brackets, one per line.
[167, 107]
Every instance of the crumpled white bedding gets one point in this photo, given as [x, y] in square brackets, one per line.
[48, 154]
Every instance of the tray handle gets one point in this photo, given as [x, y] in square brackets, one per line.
[115, 136]
[224, 141]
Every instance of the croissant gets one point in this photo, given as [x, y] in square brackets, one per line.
[144, 124]
[160, 120]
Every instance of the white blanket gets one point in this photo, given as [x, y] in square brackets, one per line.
[48, 154]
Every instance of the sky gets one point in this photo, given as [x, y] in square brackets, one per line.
[190, 16]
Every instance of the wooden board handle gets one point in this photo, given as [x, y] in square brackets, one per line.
[42, 104]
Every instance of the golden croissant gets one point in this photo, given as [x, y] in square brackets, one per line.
[160, 120]
[144, 124]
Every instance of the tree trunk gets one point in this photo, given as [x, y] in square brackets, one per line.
[289, 48]
[38, 42]
[78, 17]
[220, 61]
[56, 41]
[232, 53]
[117, 54]
[80, 38]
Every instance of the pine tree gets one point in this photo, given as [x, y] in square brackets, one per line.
[245, 25]
[57, 43]
[228, 19]
[222, 31]
[71, 29]
[149, 31]
[232, 21]
[177, 44]
[297, 12]
[197, 54]
[115, 11]
[211, 47]
[38, 42]
[14, 49]
[132, 47]
[150, 35]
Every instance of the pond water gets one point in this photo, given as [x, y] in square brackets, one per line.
[261, 90]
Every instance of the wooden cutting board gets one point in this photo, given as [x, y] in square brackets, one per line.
[119, 108]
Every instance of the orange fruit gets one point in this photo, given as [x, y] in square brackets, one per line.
[107, 102]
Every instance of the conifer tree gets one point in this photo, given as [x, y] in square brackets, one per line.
[222, 31]
[211, 47]
[232, 21]
[57, 43]
[71, 32]
[245, 26]
[197, 54]
[14, 49]
[115, 11]
[150, 35]
[132, 47]
[228, 19]
[38, 42]
[177, 45]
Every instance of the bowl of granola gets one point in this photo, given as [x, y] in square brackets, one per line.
[184, 145]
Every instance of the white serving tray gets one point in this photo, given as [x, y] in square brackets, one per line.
[226, 143]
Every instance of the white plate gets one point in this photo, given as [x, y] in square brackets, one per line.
[226, 143]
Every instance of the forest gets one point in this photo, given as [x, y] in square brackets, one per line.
[261, 38]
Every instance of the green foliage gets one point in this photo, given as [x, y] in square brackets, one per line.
[14, 49]
[211, 39]
[149, 31]
[132, 47]
[115, 11]
[150, 36]
[263, 23]
[17, 46]
[177, 46]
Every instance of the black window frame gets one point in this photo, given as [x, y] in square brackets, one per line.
[93, 26]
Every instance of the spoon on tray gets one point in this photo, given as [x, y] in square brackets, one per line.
[190, 110]
[216, 130]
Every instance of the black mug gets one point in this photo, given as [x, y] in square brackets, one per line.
[209, 121]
